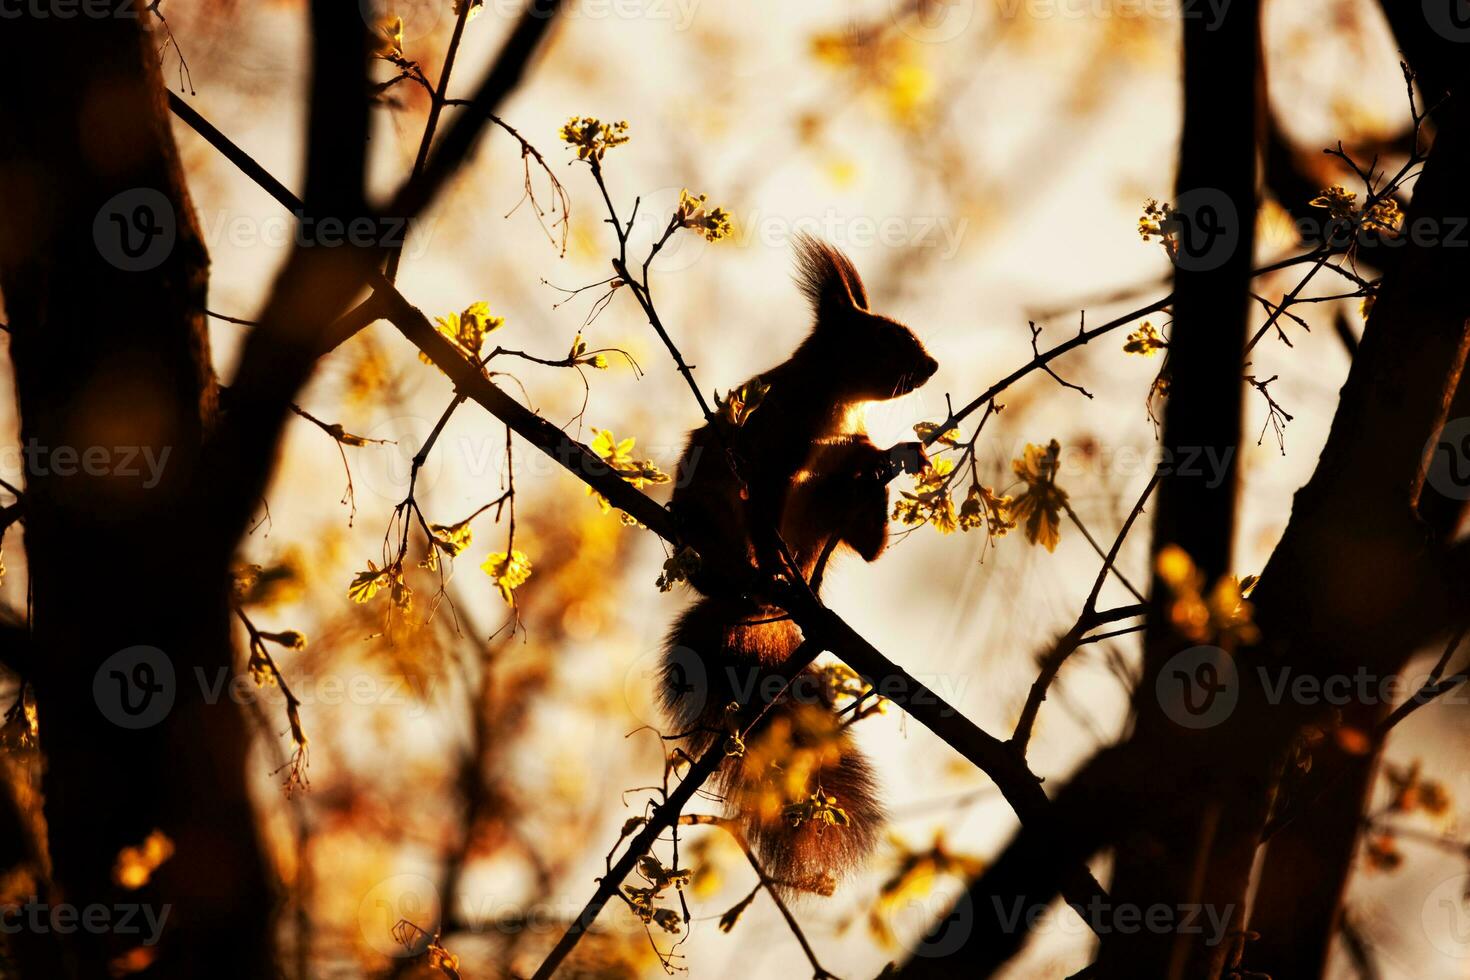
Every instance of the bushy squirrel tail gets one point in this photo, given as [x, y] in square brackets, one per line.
[808, 829]
[803, 794]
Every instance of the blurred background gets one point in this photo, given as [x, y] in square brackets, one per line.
[984, 163]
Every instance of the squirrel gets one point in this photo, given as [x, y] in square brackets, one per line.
[799, 462]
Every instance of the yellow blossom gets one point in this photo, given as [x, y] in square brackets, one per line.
[1041, 505]
[135, 865]
[592, 137]
[508, 571]
[1145, 340]
[712, 223]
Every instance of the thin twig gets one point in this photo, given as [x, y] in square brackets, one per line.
[1088, 619]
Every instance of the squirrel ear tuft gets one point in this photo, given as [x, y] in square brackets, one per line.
[827, 277]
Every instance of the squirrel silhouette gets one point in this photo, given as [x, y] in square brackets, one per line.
[799, 463]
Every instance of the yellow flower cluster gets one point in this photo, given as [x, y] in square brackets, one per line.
[712, 223]
[736, 406]
[819, 808]
[369, 583]
[787, 760]
[1042, 503]
[930, 501]
[677, 568]
[1222, 616]
[135, 865]
[1145, 340]
[642, 900]
[618, 457]
[508, 571]
[469, 328]
[1383, 215]
[593, 137]
[1153, 224]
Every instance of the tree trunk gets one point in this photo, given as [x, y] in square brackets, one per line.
[104, 275]
[1307, 866]
[1168, 861]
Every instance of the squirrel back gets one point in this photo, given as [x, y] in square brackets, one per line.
[799, 464]
[732, 481]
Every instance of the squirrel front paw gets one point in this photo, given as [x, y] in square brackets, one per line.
[909, 457]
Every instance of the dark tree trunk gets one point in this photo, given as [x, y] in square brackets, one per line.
[1307, 866]
[1202, 851]
[1358, 582]
[104, 275]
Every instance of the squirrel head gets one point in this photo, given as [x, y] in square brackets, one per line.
[870, 357]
